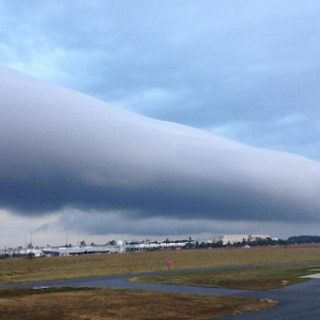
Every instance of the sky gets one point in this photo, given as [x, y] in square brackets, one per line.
[195, 74]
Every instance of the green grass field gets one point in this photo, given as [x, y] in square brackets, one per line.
[21, 269]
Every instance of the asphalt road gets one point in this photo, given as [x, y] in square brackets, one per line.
[300, 301]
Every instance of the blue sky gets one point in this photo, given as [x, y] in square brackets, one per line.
[246, 70]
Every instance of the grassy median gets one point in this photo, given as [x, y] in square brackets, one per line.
[111, 304]
[250, 278]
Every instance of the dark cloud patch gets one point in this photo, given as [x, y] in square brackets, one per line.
[115, 224]
[121, 223]
[62, 149]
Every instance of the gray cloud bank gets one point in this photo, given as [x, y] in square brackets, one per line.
[62, 149]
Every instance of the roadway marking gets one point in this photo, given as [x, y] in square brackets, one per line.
[312, 276]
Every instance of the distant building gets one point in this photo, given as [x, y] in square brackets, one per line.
[235, 238]
[69, 251]
[154, 245]
[255, 237]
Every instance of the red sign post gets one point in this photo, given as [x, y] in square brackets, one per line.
[168, 263]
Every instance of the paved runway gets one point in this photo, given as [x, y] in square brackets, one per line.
[300, 301]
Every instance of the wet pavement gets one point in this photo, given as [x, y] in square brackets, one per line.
[299, 301]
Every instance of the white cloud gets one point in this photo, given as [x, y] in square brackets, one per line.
[63, 149]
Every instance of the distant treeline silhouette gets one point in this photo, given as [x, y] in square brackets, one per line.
[304, 239]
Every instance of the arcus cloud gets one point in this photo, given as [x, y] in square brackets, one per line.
[62, 149]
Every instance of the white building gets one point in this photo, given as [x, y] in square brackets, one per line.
[234, 238]
[69, 251]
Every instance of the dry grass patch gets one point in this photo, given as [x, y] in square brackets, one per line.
[17, 270]
[108, 304]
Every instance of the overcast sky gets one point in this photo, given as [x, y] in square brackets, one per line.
[245, 70]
